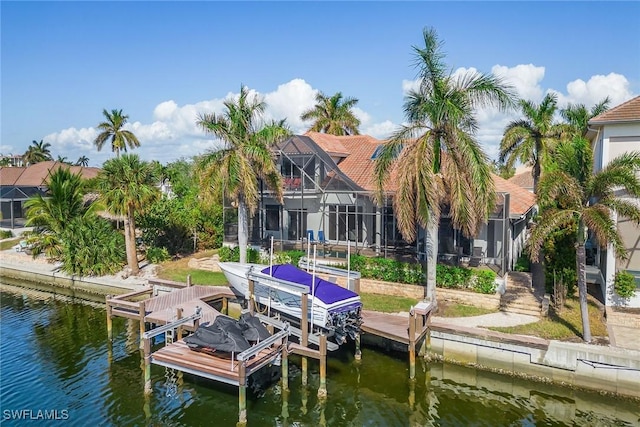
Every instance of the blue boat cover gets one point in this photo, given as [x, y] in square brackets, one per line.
[326, 291]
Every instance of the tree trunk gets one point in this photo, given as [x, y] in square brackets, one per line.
[243, 229]
[432, 259]
[581, 262]
[130, 242]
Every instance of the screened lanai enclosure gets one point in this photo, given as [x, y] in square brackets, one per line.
[323, 205]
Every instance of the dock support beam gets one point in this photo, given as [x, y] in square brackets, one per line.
[252, 296]
[147, 365]
[109, 319]
[242, 397]
[178, 317]
[142, 313]
[412, 345]
[322, 390]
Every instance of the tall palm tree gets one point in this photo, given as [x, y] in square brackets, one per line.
[37, 152]
[245, 157]
[127, 185]
[333, 115]
[435, 158]
[63, 159]
[577, 116]
[532, 139]
[572, 193]
[82, 161]
[53, 212]
[112, 129]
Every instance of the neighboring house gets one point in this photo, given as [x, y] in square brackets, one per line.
[523, 178]
[18, 184]
[613, 133]
[329, 192]
[13, 160]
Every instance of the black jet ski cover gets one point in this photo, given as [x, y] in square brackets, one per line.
[252, 329]
[223, 335]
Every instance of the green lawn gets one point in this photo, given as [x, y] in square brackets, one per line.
[459, 310]
[563, 325]
[178, 271]
[386, 304]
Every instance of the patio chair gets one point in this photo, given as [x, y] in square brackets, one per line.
[477, 256]
[309, 236]
[321, 238]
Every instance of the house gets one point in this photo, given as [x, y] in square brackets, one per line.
[329, 198]
[523, 178]
[613, 133]
[18, 184]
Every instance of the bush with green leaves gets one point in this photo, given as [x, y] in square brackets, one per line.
[157, 255]
[624, 284]
[523, 264]
[227, 254]
[452, 277]
[91, 247]
[485, 282]
[5, 234]
[387, 269]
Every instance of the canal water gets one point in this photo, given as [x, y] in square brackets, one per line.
[57, 369]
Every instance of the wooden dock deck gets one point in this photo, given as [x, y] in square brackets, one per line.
[386, 325]
[179, 356]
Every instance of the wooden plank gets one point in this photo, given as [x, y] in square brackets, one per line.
[294, 348]
[389, 326]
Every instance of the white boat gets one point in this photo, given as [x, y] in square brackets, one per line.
[331, 307]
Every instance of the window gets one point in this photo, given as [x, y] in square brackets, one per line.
[272, 222]
[345, 222]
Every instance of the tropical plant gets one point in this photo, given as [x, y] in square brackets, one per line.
[5, 161]
[245, 157]
[82, 161]
[577, 116]
[573, 193]
[112, 129]
[435, 158]
[91, 247]
[63, 159]
[624, 284]
[51, 213]
[37, 152]
[531, 140]
[127, 185]
[333, 115]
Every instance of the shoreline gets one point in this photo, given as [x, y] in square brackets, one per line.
[605, 369]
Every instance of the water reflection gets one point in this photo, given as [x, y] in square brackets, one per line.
[61, 346]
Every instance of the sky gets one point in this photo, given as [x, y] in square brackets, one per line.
[164, 63]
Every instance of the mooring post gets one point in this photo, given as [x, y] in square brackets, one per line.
[188, 280]
[109, 319]
[242, 396]
[322, 390]
[358, 354]
[412, 344]
[285, 368]
[225, 305]
[304, 326]
[142, 313]
[251, 295]
[178, 317]
[147, 365]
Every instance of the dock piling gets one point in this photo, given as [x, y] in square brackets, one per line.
[109, 319]
[358, 354]
[242, 396]
[304, 340]
[178, 317]
[147, 365]
[412, 344]
[322, 390]
[284, 364]
[141, 314]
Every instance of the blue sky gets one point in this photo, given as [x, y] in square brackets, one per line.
[165, 62]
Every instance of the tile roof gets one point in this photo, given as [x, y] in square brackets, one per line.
[521, 200]
[626, 112]
[37, 174]
[331, 144]
[523, 179]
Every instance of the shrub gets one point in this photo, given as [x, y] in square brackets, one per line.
[5, 234]
[485, 282]
[523, 264]
[157, 255]
[624, 284]
[233, 254]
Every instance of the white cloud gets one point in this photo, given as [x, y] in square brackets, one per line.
[173, 134]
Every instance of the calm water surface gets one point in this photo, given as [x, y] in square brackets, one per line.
[54, 357]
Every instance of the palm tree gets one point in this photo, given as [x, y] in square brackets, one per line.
[333, 115]
[577, 116]
[572, 193]
[37, 152]
[127, 185]
[532, 139]
[63, 159]
[82, 161]
[53, 212]
[435, 158]
[112, 129]
[245, 157]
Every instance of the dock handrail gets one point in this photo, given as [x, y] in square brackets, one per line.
[247, 354]
[172, 325]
